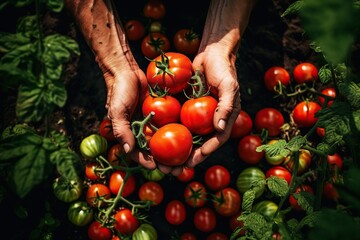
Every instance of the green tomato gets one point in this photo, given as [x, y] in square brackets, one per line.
[93, 146]
[274, 160]
[67, 190]
[145, 232]
[80, 213]
[152, 175]
[266, 208]
[251, 177]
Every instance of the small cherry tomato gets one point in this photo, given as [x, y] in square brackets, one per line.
[331, 92]
[246, 149]
[117, 180]
[305, 72]
[279, 171]
[205, 219]
[274, 76]
[276, 159]
[98, 232]
[186, 41]
[304, 161]
[304, 113]
[195, 194]
[106, 130]
[175, 212]
[125, 221]
[227, 202]
[187, 174]
[270, 119]
[335, 160]
[217, 177]
[242, 126]
[134, 30]
[96, 193]
[154, 9]
[153, 44]
[151, 191]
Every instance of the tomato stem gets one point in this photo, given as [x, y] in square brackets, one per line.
[137, 128]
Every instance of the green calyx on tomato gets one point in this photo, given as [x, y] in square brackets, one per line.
[93, 146]
[80, 213]
[67, 190]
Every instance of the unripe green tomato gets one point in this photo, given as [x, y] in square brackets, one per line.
[250, 177]
[93, 146]
[152, 174]
[67, 190]
[145, 232]
[80, 213]
[266, 208]
[274, 160]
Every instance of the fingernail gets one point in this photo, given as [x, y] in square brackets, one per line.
[222, 124]
[126, 147]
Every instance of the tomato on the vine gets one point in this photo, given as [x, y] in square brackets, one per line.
[153, 44]
[320, 131]
[276, 159]
[96, 193]
[304, 161]
[93, 146]
[266, 208]
[304, 113]
[186, 41]
[154, 9]
[166, 109]
[251, 177]
[125, 221]
[217, 177]
[188, 236]
[302, 188]
[246, 149]
[330, 92]
[270, 119]
[330, 191]
[205, 219]
[195, 194]
[80, 213]
[117, 180]
[171, 71]
[106, 129]
[175, 212]
[67, 190]
[335, 160]
[144, 231]
[186, 175]
[90, 171]
[197, 114]
[274, 76]
[242, 125]
[151, 191]
[98, 232]
[171, 144]
[305, 72]
[134, 30]
[227, 201]
[279, 171]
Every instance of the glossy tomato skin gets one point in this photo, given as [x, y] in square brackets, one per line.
[115, 154]
[250, 176]
[335, 160]
[151, 191]
[266, 208]
[90, 171]
[152, 174]
[292, 200]
[98, 232]
[175, 212]
[134, 30]
[304, 161]
[188, 236]
[242, 126]
[93, 146]
[205, 219]
[178, 64]
[95, 193]
[117, 180]
[279, 171]
[195, 194]
[305, 72]
[144, 231]
[217, 177]
[186, 41]
[246, 149]
[154, 9]
[320, 132]
[275, 75]
[276, 159]
[186, 175]
[217, 236]
[106, 130]
[171, 144]
[304, 113]
[270, 119]
[125, 221]
[153, 44]
[331, 92]
[227, 202]
[80, 213]
[197, 115]
[67, 190]
[166, 109]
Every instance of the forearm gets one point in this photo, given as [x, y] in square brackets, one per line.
[225, 23]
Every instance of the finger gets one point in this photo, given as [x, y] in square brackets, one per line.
[164, 169]
[195, 158]
[144, 159]
[176, 171]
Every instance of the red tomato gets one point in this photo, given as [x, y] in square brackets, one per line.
[197, 114]
[302, 188]
[195, 194]
[175, 212]
[320, 132]
[117, 180]
[90, 171]
[279, 171]
[330, 191]
[274, 76]
[96, 193]
[151, 191]
[242, 126]
[188, 236]
[331, 92]
[304, 161]
[247, 149]
[186, 41]
[187, 174]
[227, 202]
[98, 232]
[153, 44]
[271, 119]
[217, 236]
[115, 154]
[234, 223]
[304, 113]
[106, 130]
[134, 30]
[125, 221]
[217, 177]
[305, 72]
[166, 109]
[170, 71]
[335, 160]
[171, 144]
[154, 9]
[205, 219]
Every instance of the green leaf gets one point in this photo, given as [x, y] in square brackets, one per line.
[350, 191]
[325, 74]
[10, 41]
[27, 26]
[294, 8]
[274, 149]
[309, 220]
[296, 143]
[277, 186]
[12, 76]
[305, 201]
[257, 225]
[55, 5]
[248, 200]
[351, 91]
[66, 162]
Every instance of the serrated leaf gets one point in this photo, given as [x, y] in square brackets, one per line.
[305, 201]
[248, 200]
[308, 220]
[258, 226]
[66, 162]
[294, 8]
[296, 143]
[351, 91]
[325, 75]
[27, 26]
[277, 186]
[273, 149]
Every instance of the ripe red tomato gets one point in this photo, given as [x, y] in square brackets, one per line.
[234, 223]
[154, 9]
[205, 219]
[115, 154]
[186, 41]
[304, 113]
[186, 175]
[106, 130]
[279, 171]
[302, 188]
[90, 171]
[96, 193]
[275, 75]
[217, 177]
[331, 92]
[171, 71]
[166, 109]
[188, 236]
[134, 30]
[197, 114]
[171, 144]
[335, 160]
[98, 232]
[305, 72]
[217, 236]
[175, 212]
[195, 194]
[271, 119]
[320, 132]
[151, 191]
[117, 180]
[330, 191]
[125, 221]
[304, 162]
[153, 44]
[227, 202]
[242, 126]
[246, 149]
